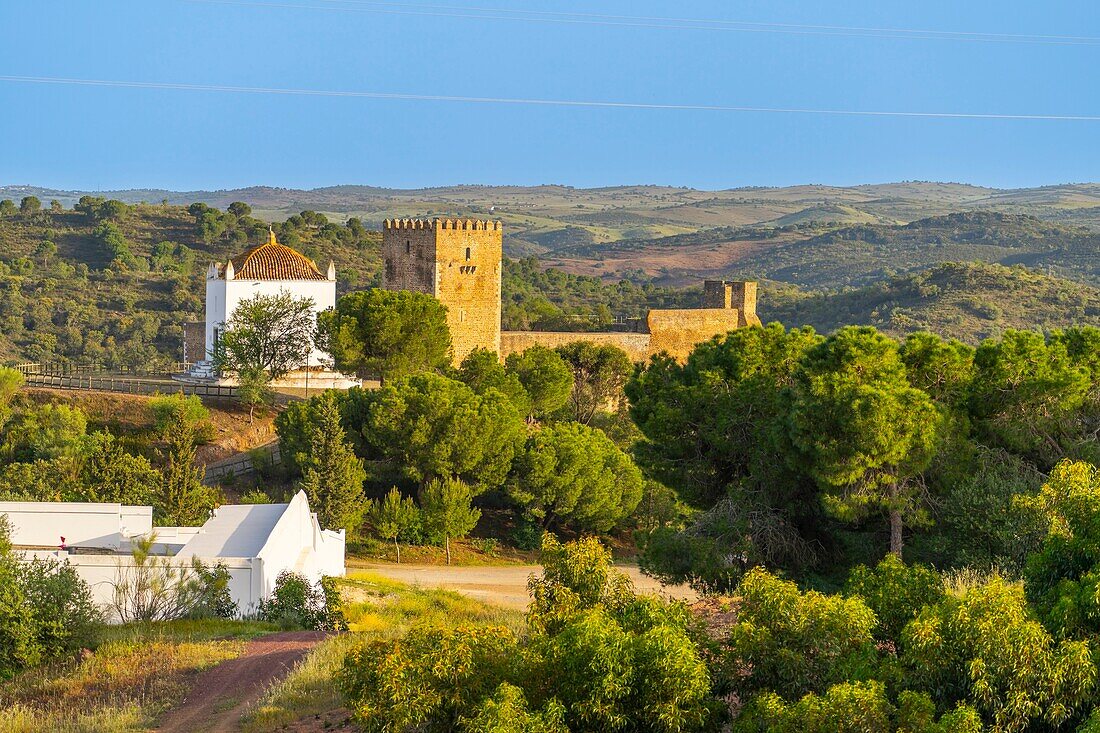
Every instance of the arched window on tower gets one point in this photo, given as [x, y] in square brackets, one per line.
[408, 247]
[467, 254]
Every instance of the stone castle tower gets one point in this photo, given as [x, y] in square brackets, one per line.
[458, 262]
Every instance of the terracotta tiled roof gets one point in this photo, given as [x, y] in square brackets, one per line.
[274, 261]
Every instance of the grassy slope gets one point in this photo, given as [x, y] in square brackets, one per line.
[140, 670]
[136, 673]
[968, 301]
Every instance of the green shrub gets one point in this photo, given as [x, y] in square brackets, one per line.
[859, 707]
[297, 603]
[986, 647]
[168, 408]
[794, 643]
[428, 680]
[215, 600]
[507, 712]
[896, 592]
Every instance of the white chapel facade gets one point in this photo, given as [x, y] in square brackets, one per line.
[267, 269]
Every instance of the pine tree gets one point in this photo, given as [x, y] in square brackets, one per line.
[394, 517]
[332, 474]
[445, 504]
[182, 500]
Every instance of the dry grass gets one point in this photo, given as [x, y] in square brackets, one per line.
[135, 674]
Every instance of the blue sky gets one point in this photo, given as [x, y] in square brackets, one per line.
[93, 137]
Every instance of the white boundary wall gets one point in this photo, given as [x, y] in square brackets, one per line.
[102, 572]
[44, 523]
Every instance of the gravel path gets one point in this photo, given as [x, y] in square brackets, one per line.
[504, 585]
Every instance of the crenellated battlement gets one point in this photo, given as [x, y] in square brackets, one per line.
[477, 225]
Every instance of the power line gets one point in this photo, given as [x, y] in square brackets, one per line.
[538, 102]
[661, 22]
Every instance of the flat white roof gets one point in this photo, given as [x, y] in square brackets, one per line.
[238, 530]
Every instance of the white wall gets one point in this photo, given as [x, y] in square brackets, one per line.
[298, 544]
[43, 524]
[223, 296]
[102, 572]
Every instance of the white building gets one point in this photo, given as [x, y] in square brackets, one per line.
[268, 269]
[255, 542]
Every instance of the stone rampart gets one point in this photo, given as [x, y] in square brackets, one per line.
[636, 345]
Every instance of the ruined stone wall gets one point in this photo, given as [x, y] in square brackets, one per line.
[678, 331]
[636, 345]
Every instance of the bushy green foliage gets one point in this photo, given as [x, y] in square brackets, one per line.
[395, 518]
[854, 707]
[429, 426]
[1027, 396]
[46, 610]
[793, 643]
[895, 592]
[446, 512]
[269, 333]
[181, 498]
[600, 371]
[545, 376]
[215, 600]
[481, 371]
[985, 646]
[1063, 578]
[862, 431]
[429, 680]
[169, 408]
[571, 474]
[597, 658]
[297, 603]
[386, 334]
[507, 711]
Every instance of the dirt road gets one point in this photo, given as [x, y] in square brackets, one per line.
[504, 585]
[220, 695]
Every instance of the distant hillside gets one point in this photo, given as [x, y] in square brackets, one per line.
[116, 283]
[968, 301]
[116, 287]
[861, 255]
[541, 219]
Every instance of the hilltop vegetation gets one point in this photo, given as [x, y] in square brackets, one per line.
[114, 283]
[968, 301]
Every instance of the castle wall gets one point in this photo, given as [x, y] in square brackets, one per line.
[678, 331]
[636, 345]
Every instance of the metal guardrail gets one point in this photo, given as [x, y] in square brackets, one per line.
[126, 386]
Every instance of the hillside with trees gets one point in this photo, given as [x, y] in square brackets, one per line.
[113, 283]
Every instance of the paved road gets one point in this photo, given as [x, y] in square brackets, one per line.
[504, 585]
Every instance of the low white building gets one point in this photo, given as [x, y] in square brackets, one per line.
[255, 542]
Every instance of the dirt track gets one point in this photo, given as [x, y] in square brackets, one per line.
[503, 585]
[220, 695]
